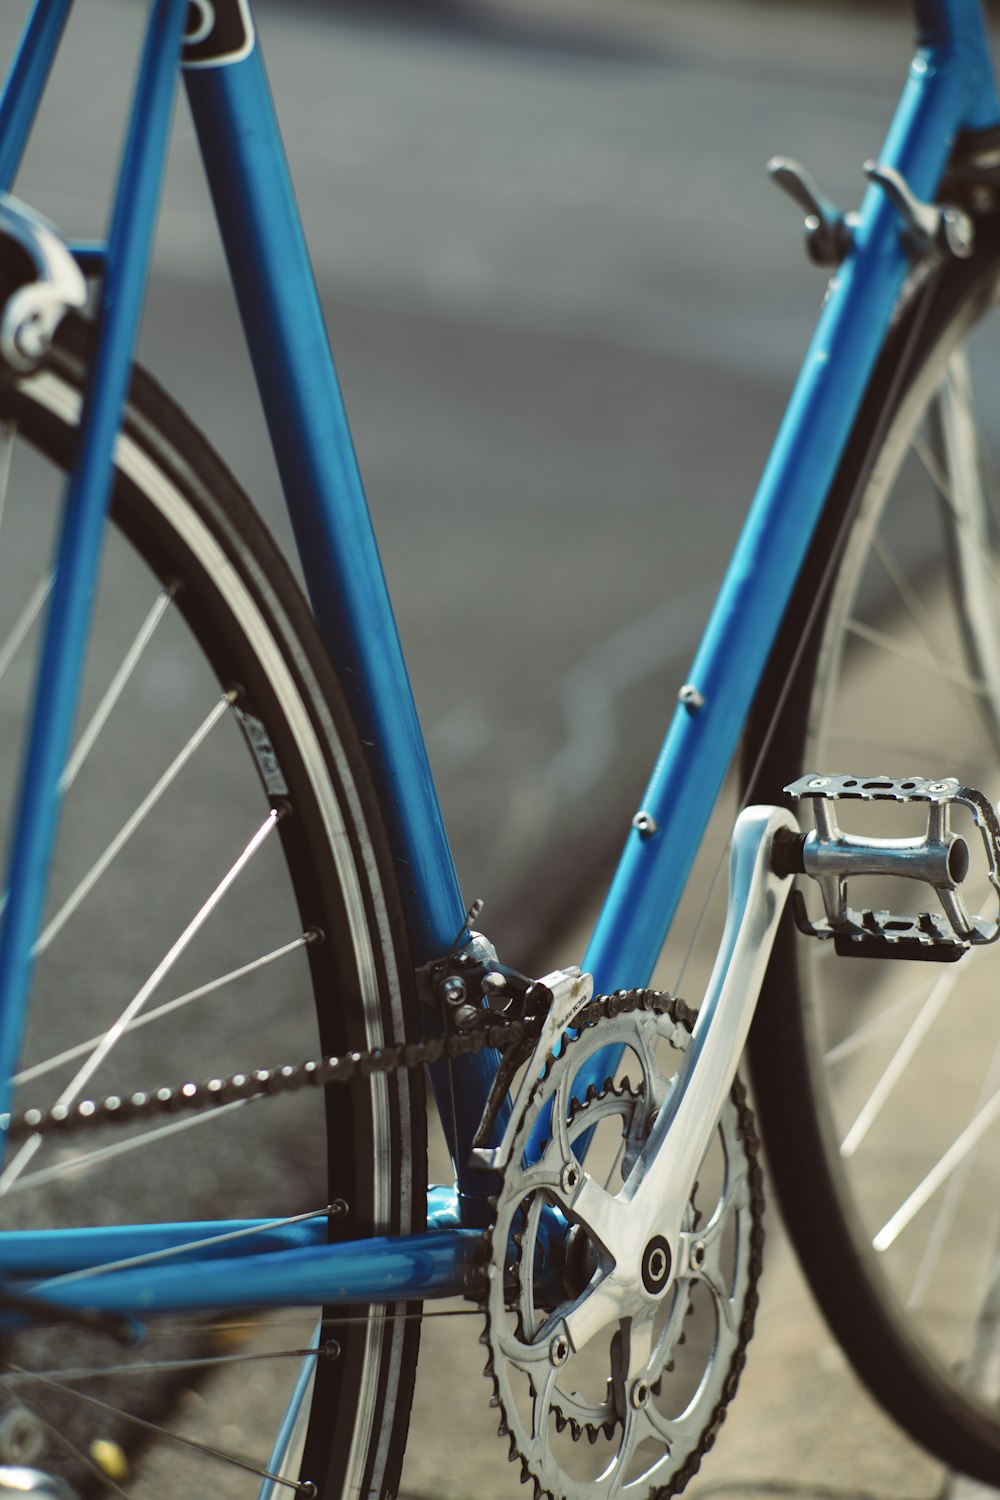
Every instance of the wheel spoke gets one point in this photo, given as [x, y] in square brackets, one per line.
[948, 1209]
[131, 824]
[24, 622]
[8, 432]
[298, 1486]
[945, 755]
[189, 1246]
[917, 658]
[104, 1480]
[116, 687]
[939, 1174]
[930, 1010]
[958, 513]
[86, 1373]
[38, 1070]
[915, 609]
[859, 1038]
[19, 1182]
[114, 1034]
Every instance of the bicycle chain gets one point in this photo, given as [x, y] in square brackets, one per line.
[89, 1114]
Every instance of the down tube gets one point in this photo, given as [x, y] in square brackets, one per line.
[947, 85]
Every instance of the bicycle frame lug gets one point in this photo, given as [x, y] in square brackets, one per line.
[927, 228]
[829, 232]
[33, 311]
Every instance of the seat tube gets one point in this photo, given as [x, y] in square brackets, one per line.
[283, 321]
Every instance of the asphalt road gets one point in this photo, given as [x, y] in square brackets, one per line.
[567, 309]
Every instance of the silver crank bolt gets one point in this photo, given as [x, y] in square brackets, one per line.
[658, 1265]
[570, 1178]
[698, 1255]
[559, 1350]
[640, 1394]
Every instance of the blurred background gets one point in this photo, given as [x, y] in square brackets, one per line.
[567, 308]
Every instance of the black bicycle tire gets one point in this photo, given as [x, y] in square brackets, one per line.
[360, 1386]
[815, 1200]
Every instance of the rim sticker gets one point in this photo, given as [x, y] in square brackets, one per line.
[267, 762]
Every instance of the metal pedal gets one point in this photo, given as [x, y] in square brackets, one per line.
[940, 858]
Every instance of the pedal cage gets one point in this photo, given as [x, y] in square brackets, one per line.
[940, 858]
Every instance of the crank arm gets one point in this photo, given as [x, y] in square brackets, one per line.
[666, 1170]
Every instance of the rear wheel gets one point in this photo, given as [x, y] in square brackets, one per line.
[213, 746]
[878, 1083]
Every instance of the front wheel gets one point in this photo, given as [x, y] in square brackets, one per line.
[222, 900]
[878, 1082]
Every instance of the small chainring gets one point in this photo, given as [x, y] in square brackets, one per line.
[631, 1412]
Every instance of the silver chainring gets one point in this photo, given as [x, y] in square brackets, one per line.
[633, 1411]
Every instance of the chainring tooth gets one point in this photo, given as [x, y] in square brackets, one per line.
[742, 1138]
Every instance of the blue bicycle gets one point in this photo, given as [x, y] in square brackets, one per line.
[230, 957]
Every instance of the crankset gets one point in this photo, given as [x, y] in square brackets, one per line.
[612, 1378]
[605, 1258]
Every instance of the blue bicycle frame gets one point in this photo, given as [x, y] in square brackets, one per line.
[949, 90]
